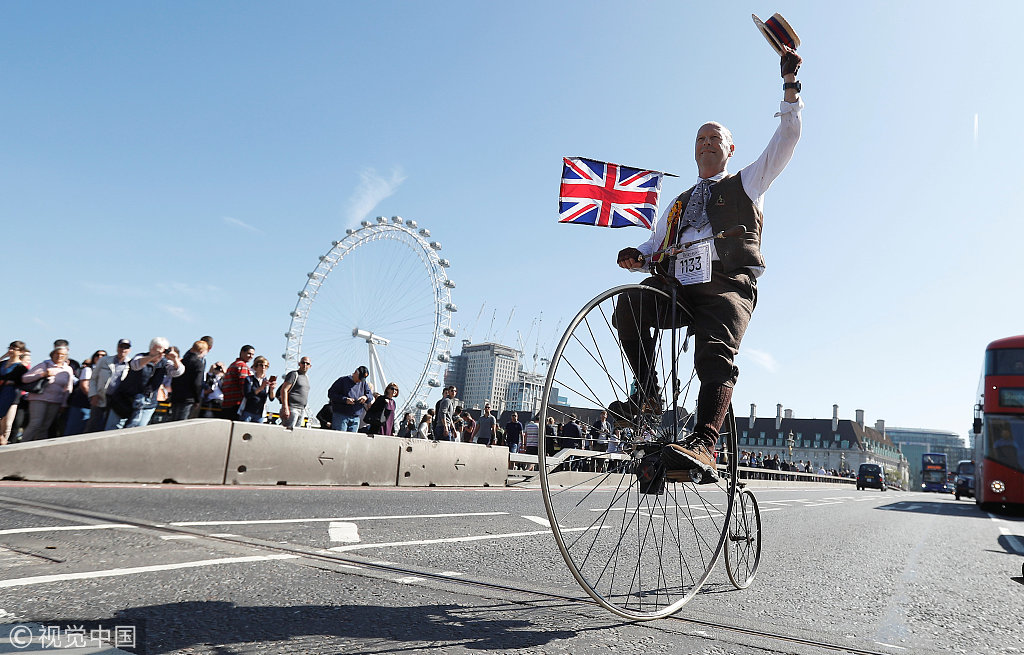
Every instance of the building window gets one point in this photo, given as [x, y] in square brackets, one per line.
[846, 444]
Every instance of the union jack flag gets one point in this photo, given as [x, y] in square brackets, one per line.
[607, 195]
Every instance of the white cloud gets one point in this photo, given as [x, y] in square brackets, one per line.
[178, 312]
[242, 224]
[762, 359]
[371, 191]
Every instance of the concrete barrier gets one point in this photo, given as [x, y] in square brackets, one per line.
[192, 452]
[426, 463]
[269, 454]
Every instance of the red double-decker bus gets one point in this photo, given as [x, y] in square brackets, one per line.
[999, 426]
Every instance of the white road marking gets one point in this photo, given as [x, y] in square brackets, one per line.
[820, 504]
[538, 520]
[452, 573]
[342, 518]
[1016, 543]
[455, 540]
[882, 643]
[109, 573]
[645, 512]
[60, 528]
[223, 534]
[175, 537]
[344, 532]
[408, 579]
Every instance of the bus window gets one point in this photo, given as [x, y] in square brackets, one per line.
[1005, 361]
[1006, 441]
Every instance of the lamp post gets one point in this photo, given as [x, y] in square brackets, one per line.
[842, 463]
[789, 442]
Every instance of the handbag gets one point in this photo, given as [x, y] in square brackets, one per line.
[36, 386]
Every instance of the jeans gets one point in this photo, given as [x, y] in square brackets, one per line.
[294, 417]
[344, 423]
[251, 417]
[181, 411]
[114, 421]
[513, 446]
[139, 418]
[97, 419]
[78, 417]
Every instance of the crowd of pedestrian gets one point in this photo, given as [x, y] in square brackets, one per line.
[62, 397]
[772, 462]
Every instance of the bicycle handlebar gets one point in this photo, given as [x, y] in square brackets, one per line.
[671, 251]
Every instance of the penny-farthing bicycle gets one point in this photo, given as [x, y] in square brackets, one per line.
[639, 541]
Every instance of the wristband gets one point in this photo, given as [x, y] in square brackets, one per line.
[792, 85]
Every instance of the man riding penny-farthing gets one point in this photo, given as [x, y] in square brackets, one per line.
[642, 533]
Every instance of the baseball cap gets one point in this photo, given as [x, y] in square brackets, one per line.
[124, 342]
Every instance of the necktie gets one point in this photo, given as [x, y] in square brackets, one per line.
[696, 216]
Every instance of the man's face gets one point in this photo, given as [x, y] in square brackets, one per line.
[356, 376]
[304, 364]
[122, 351]
[712, 149]
[487, 410]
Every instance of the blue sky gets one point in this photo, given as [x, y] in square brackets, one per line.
[176, 168]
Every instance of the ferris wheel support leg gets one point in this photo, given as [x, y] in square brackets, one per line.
[376, 370]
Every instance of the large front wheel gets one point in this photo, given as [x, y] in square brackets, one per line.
[640, 541]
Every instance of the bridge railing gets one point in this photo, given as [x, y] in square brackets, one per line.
[524, 468]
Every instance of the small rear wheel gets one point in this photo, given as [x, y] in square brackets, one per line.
[743, 549]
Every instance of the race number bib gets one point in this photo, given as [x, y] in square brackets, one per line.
[693, 265]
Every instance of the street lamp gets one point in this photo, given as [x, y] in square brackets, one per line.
[790, 442]
[842, 463]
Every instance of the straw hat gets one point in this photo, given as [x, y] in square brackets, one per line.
[778, 32]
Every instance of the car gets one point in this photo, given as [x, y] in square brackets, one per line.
[871, 475]
[964, 484]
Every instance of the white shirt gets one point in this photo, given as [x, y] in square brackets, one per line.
[756, 177]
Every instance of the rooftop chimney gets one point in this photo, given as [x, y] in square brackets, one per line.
[789, 413]
[778, 416]
[835, 418]
[753, 415]
[880, 426]
[860, 417]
